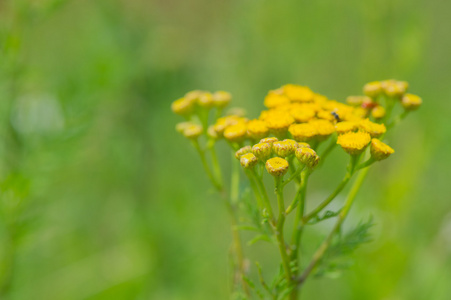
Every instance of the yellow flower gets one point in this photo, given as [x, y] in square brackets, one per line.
[354, 142]
[411, 102]
[303, 113]
[380, 150]
[248, 160]
[182, 106]
[374, 129]
[224, 122]
[194, 95]
[242, 151]
[303, 132]
[192, 131]
[378, 112]
[393, 88]
[298, 93]
[274, 99]
[212, 133]
[262, 150]
[303, 145]
[235, 133]
[346, 126]
[180, 127]
[283, 148]
[360, 112]
[269, 140]
[325, 115]
[323, 128]
[205, 100]
[372, 89]
[278, 123]
[307, 156]
[277, 166]
[256, 129]
[292, 142]
[221, 99]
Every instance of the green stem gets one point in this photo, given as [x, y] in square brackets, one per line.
[341, 218]
[203, 159]
[279, 229]
[264, 193]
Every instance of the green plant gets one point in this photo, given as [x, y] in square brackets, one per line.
[285, 140]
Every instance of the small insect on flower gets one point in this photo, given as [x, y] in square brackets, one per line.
[380, 150]
[307, 156]
[242, 151]
[248, 160]
[354, 143]
[283, 148]
[411, 102]
[262, 151]
[277, 166]
[336, 116]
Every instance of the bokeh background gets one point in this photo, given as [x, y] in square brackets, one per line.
[101, 199]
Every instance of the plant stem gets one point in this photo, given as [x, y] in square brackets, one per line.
[279, 230]
[341, 218]
[203, 159]
[264, 193]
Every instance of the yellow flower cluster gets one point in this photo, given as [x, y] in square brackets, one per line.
[300, 115]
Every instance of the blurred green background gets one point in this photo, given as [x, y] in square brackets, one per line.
[101, 199]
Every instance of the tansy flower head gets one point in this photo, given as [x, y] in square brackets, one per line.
[278, 123]
[182, 106]
[193, 96]
[372, 89]
[380, 150]
[374, 129]
[298, 93]
[360, 112]
[180, 127]
[393, 88]
[303, 132]
[354, 142]
[292, 142]
[323, 128]
[303, 145]
[411, 102]
[307, 156]
[205, 100]
[303, 113]
[318, 98]
[269, 140]
[211, 132]
[221, 99]
[274, 99]
[235, 133]
[256, 129]
[355, 100]
[325, 115]
[224, 122]
[248, 160]
[346, 126]
[262, 151]
[242, 151]
[378, 112]
[283, 148]
[192, 131]
[277, 166]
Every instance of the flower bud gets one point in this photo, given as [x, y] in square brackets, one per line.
[378, 112]
[221, 99]
[242, 151]
[304, 145]
[411, 102]
[374, 129]
[354, 142]
[372, 89]
[211, 132]
[307, 157]
[380, 150]
[180, 127]
[277, 166]
[262, 151]
[293, 143]
[182, 106]
[282, 148]
[269, 140]
[248, 160]
[206, 100]
[193, 131]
